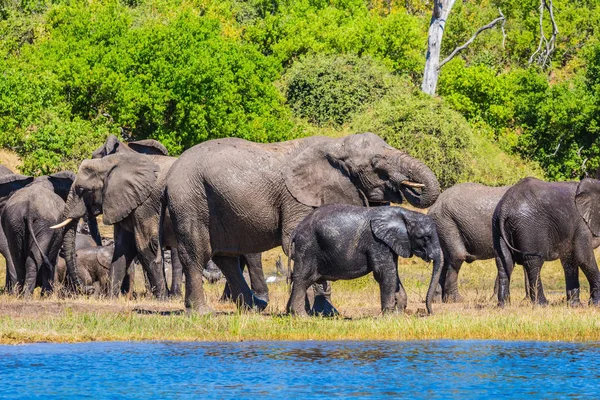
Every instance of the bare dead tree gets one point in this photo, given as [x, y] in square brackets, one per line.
[457, 50]
[546, 46]
[441, 10]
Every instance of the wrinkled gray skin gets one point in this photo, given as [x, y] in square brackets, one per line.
[93, 267]
[136, 183]
[125, 188]
[4, 250]
[346, 242]
[26, 219]
[537, 221]
[463, 217]
[227, 197]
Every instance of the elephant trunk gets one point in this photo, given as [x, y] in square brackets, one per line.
[427, 188]
[94, 231]
[74, 210]
[70, 258]
[438, 261]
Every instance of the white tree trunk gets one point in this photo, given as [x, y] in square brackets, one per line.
[441, 10]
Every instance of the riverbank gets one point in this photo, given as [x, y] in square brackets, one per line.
[91, 319]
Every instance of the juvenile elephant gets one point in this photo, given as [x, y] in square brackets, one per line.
[228, 197]
[93, 269]
[463, 217]
[537, 221]
[346, 242]
[26, 219]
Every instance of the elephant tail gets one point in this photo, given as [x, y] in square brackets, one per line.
[45, 259]
[288, 278]
[505, 240]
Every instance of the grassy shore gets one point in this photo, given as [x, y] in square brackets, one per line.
[87, 319]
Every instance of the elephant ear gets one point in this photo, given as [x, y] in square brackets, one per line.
[127, 185]
[109, 147]
[61, 182]
[587, 201]
[104, 256]
[149, 146]
[391, 230]
[319, 176]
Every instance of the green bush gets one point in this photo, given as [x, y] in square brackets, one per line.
[328, 89]
[157, 72]
[431, 131]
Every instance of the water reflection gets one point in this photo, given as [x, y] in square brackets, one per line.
[434, 369]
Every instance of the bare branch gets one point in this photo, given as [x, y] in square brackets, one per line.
[502, 27]
[546, 46]
[468, 42]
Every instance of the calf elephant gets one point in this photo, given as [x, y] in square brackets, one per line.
[347, 242]
[463, 217]
[227, 197]
[26, 219]
[537, 221]
[93, 269]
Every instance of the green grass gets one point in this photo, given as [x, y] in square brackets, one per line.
[90, 319]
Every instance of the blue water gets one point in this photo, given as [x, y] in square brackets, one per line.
[430, 369]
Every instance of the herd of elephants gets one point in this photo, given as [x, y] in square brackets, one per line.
[325, 200]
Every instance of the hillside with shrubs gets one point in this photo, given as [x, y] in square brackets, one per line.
[180, 71]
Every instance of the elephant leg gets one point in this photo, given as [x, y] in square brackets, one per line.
[533, 268]
[155, 273]
[401, 297]
[450, 289]
[11, 273]
[505, 265]
[322, 304]
[176, 274]
[298, 303]
[590, 270]
[124, 253]
[389, 286]
[572, 281]
[257, 276]
[241, 293]
[31, 272]
[227, 296]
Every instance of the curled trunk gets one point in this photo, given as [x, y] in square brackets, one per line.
[438, 261]
[420, 173]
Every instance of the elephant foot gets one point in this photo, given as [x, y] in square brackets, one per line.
[262, 296]
[176, 294]
[573, 298]
[453, 298]
[594, 301]
[323, 307]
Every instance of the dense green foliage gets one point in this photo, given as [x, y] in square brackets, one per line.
[328, 89]
[184, 71]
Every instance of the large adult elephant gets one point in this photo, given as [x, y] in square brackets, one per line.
[228, 197]
[26, 218]
[463, 217]
[126, 187]
[537, 221]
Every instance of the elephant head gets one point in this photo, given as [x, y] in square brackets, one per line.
[410, 233]
[362, 168]
[113, 146]
[587, 201]
[113, 186]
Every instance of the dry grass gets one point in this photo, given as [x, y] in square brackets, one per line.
[10, 159]
[86, 319]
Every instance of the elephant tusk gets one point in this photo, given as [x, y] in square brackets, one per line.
[412, 184]
[62, 224]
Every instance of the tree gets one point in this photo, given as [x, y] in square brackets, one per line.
[441, 11]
